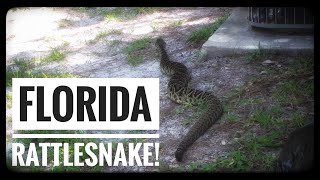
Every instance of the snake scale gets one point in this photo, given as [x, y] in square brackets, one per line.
[179, 92]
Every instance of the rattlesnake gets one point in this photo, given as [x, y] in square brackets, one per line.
[179, 92]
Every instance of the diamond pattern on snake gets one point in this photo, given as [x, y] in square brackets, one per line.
[179, 92]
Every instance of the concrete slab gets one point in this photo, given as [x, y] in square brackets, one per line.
[236, 36]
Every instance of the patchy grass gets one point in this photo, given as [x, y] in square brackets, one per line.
[298, 119]
[291, 92]
[301, 65]
[132, 51]
[24, 70]
[34, 74]
[277, 109]
[145, 10]
[103, 34]
[9, 100]
[258, 55]
[55, 55]
[100, 35]
[232, 117]
[235, 161]
[187, 121]
[176, 24]
[156, 25]
[178, 110]
[81, 9]
[248, 156]
[121, 13]
[263, 118]
[114, 43]
[65, 23]
[205, 32]
[236, 93]
[113, 14]
[250, 101]
[257, 144]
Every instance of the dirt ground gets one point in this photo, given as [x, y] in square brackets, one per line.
[33, 32]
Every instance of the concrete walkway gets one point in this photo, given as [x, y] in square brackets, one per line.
[236, 36]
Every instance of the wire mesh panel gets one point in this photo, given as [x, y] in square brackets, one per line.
[281, 17]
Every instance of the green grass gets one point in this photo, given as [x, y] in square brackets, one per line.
[81, 9]
[187, 121]
[55, 55]
[113, 14]
[114, 43]
[276, 110]
[267, 161]
[156, 25]
[145, 10]
[176, 23]
[134, 47]
[250, 157]
[298, 119]
[258, 55]
[206, 31]
[24, 70]
[178, 110]
[250, 101]
[302, 65]
[64, 23]
[232, 117]
[236, 161]
[103, 34]
[9, 100]
[134, 60]
[263, 118]
[34, 74]
[257, 144]
[121, 13]
[236, 92]
[290, 92]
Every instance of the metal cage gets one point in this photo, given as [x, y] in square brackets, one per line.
[281, 17]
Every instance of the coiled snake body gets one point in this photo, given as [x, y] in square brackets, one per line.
[179, 92]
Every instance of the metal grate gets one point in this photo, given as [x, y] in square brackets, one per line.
[280, 17]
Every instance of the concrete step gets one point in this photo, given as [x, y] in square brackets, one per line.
[236, 36]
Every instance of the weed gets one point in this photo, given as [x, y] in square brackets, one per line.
[9, 100]
[133, 48]
[290, 92]
[232, 117]
[235, 161]
[114, 43]
[54, 56]
[276, 110]
[187, 121]
[21, 73]
[206, 31]
[298, 119]
[258, 55]
[120, 13]
[263, 118]
[64, 23]
[176, 23]
[254, 145]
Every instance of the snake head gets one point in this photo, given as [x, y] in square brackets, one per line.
[160, 42]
